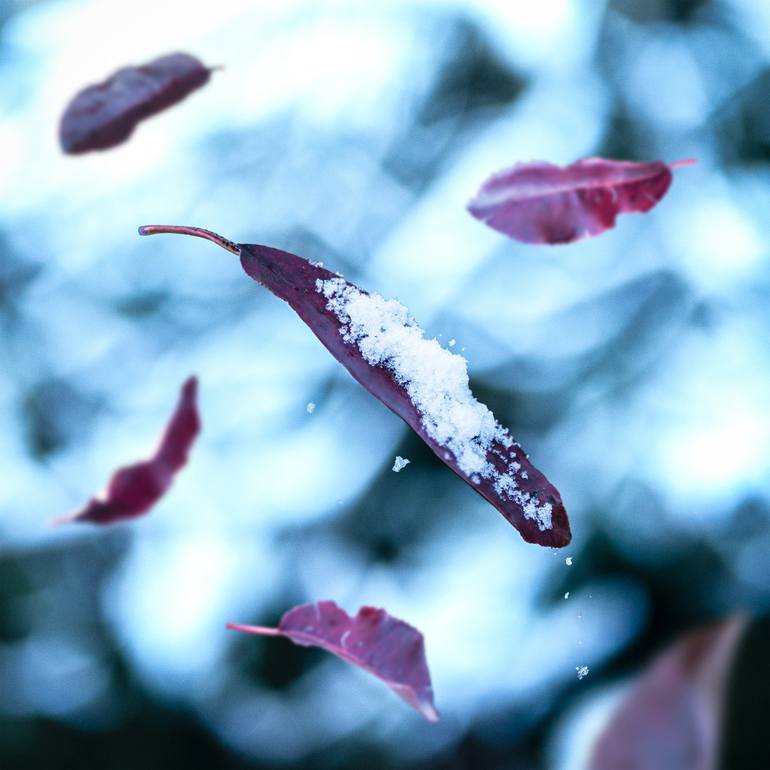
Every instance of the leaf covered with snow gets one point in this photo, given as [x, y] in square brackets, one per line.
[383, 645]
[543, 203]
[134, 489]
[426, 385]
[671, 716]
[106, 114]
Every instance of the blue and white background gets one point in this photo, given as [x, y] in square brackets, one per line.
[634, 367]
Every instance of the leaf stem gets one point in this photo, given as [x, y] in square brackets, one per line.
[198, 232]
[261, 630]
[685, 162]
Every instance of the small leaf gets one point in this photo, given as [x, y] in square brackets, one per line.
[106, 114]
[134, 489]
[542, 203]
[423, 383]
[384, 646]
[671, 717]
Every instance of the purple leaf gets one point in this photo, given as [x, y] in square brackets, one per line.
[105, 115]
[542, 203]
[424, 384]
[671, 716]
[134, 489]
[384, 646]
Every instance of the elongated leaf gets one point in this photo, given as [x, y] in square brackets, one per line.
[384, 646]
[134, 489]
[671, 716]
[423, 383]
[543, 203]
[106, 114]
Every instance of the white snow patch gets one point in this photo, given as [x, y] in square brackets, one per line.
[436, 381]
[582, 671]
[400, 463]
[568, 561]
[310, 408]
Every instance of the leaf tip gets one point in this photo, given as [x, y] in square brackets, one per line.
[562, 536]
[190, 387]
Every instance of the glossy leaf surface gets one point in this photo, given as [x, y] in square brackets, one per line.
[106, 114]
[542, 203]
[373, 640]
[134, 489]
[295, 280]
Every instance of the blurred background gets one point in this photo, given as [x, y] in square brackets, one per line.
[634, 368]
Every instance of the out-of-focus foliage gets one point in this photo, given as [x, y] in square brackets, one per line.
[634, 368]
[672, 714]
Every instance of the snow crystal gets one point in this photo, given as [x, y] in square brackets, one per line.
[452, 342]
[436, 381]
[582, 671]
[310, 408]
[566, 596]
[400, 463]
[568, 561]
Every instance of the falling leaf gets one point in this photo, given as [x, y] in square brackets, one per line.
[671, 716]
[424, 384]
[105, 115]
[384, 646]
[542, 203]
[134, 489]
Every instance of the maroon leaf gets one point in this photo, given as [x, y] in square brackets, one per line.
[104, 115]
[543, 203]
[384, 646]
[424, 384]
[134, 489]
[671, 716]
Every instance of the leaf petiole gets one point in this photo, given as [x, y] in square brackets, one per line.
[198, 232]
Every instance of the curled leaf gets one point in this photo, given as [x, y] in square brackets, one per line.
[134, 489]
[106, 114]
[423, 383]
[671, 716]
[542, 203]
[383, 645]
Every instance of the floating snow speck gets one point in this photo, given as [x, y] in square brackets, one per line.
[400, 463]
